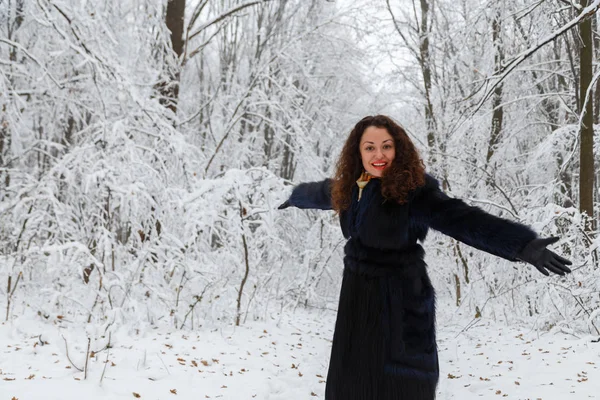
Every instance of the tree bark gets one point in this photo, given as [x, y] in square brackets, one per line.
[246, 270]
[175, 22]
[4, 144]
[14, 22]
[425, 61]
[596, 97]
[423, 57]
[586, 108]
[595, 26]
[498, 110]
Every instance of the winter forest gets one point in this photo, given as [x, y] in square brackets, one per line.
[145, 146]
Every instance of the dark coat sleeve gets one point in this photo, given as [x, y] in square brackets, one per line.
[469, 224]
[312, 195]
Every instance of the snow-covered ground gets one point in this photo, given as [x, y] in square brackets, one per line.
[279, 361]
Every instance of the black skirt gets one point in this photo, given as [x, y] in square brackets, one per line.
[384, 340]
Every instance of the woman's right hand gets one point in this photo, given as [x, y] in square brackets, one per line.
[286, 204]
[536, 254]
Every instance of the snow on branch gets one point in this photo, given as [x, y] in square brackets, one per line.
[509, 66]
[38, 62]
[224, 15]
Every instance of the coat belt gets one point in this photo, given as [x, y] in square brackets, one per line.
[377, 262]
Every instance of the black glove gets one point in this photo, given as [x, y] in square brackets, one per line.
[286, 204]
[544, 260]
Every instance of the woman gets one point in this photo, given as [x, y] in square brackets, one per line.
[384, 341]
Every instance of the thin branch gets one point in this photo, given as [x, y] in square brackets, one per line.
[195, 14]
[490, 177]
[507, 68]
[491, 203]
[16, 283]
[38, 62]
[202, 107]
[107, 354]
[476, 319]
[198, 300]
[179, 289]
[86, 52]
[246, 271]
[570, 3]
[69, 358]
[87, 357]
[588, 96]
[163, 363]
[224, 16]
[399, 30]
[578, 300]
[254, 81]
[198, 49]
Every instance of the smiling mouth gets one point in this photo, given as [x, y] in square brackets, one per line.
[379, 166]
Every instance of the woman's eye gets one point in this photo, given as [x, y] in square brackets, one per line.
[369, 148]
[387, 146]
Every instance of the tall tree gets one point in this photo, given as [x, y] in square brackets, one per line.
[586, 109]
[497, 108]
[175, 20]
[14, 21]
[596, 36]
[422, 53]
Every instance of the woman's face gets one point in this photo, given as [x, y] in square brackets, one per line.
[377, 150]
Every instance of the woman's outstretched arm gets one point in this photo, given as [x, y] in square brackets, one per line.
[310, 195]
[471, 225]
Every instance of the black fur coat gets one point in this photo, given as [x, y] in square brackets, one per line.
[384, 341]
[386, 225]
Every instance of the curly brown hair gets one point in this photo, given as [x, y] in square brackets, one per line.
[406, 173]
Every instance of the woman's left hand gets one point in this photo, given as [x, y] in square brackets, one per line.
[543, 259]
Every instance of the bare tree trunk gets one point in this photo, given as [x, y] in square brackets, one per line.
[13, 24]
[4, 144]
[423, 57]
[552, 109]
[566, 175]
[498, 110]
[425, 61]
[457, 287]
[586, 154]
[595, 26]
[246, 270]
[288, 164]
[596, 97]
[175, 21]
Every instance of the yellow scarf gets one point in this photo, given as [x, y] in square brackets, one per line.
[365, 177]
